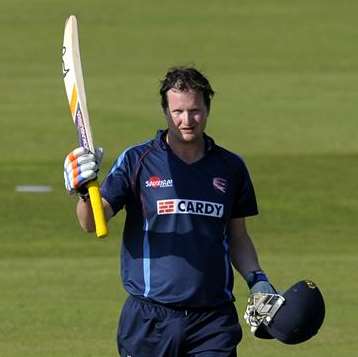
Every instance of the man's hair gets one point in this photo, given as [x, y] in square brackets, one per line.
[184, 79]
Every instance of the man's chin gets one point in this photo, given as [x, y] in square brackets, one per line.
[189, 137]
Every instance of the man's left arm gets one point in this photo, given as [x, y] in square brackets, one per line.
[244, 258]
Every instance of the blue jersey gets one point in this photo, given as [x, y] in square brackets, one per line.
[175, 239]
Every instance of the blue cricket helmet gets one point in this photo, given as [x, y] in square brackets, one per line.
[300, 316]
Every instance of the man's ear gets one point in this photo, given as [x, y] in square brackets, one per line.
[166, 113]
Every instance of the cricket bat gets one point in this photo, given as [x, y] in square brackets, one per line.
[75, 90]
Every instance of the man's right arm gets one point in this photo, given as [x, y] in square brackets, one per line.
[85, 215]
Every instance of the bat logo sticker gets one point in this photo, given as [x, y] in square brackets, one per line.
[64, 69]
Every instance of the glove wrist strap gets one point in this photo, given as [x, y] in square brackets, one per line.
[84, 197]
[83, 193]
[253, 277]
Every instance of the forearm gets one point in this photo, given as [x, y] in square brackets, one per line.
[244, 258]
[243, 254]
[85, 215]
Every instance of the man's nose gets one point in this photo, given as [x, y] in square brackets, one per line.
[187, 117]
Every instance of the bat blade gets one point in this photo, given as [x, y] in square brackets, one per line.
[76, 96]
[73, 78]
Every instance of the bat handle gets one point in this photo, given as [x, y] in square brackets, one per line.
[97, 209]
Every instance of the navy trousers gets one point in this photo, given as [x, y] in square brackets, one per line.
[148, 329]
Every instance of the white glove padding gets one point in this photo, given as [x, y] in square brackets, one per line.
[262, 308]
[80, 167]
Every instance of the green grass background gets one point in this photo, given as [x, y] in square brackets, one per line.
[285, 73]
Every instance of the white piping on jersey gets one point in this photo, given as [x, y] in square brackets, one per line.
[227, 267]
[146, 260]
[146, 247]
[121, 157]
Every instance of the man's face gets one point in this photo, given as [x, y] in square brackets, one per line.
[186, 114]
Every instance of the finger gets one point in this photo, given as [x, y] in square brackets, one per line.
[76, 153]
[85, 159]
[78, 169]
[79, 152]
[74, 162]
[67, 181]
[83, 178]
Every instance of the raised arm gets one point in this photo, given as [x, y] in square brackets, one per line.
[85, 216]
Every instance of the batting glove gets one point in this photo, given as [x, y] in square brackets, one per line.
[263, 303]
[258, 282]
[80, 167]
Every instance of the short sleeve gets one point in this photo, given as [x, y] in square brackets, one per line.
[116, 187]
[245, 199]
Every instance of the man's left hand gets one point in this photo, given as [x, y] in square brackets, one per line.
[263, 287]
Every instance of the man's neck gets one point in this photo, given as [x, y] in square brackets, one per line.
[189, 152]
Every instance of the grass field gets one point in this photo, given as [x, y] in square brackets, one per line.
[286, 76]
